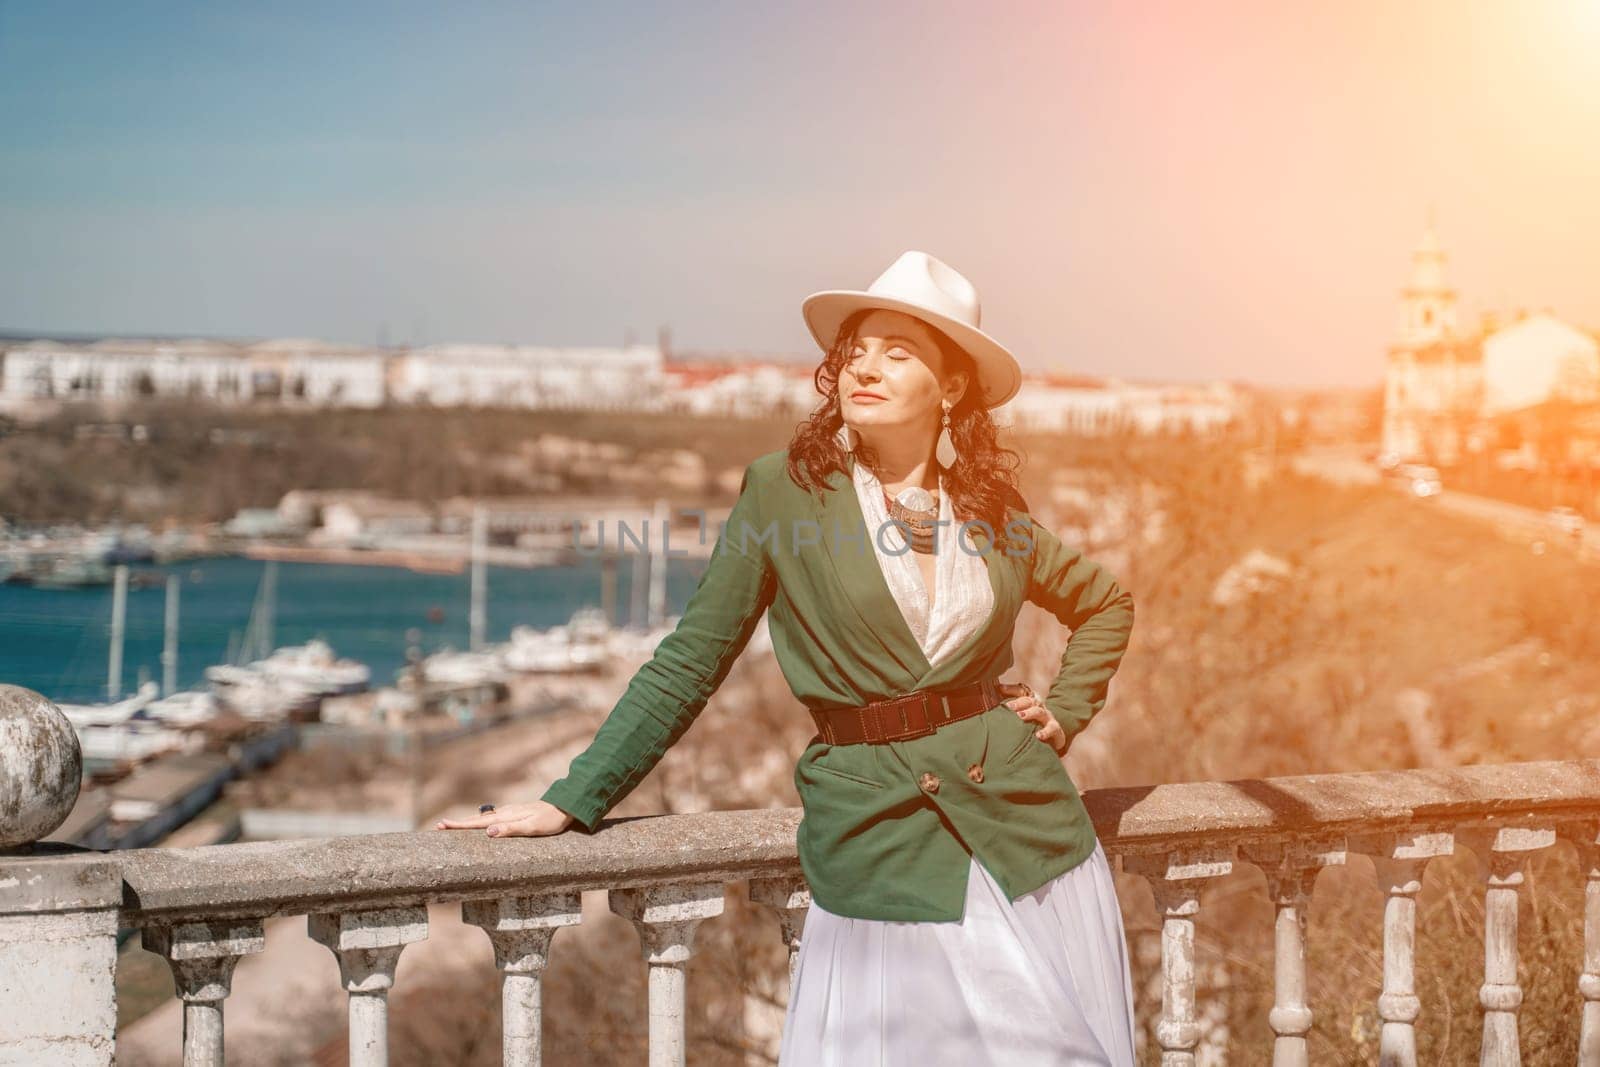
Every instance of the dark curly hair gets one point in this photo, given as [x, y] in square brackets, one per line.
[983, 482]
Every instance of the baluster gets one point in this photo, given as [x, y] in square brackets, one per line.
[202, 956]
[790, 898]
[1501, 854]
[521, 928]
[368, 945]
[1177, 879]
[1586, 836]
[1399, 861]
[666, 918]
[764, 1018]
[1291, 871]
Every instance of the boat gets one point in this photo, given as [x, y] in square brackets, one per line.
[589, 634]
[121, 730]
[226, 674]
[263, 699]
[463, 668]
[634, 642]
[136, 550]
[134, 741]
[581, 646]
[537, 652]
[286, 680]
[188, 708]
[69, 572]
[313, 666]
[589, 624]
[109, 714]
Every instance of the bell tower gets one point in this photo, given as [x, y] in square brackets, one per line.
[1428, 305]
[1433, 385]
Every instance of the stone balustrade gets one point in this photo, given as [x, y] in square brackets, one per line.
[365, 898]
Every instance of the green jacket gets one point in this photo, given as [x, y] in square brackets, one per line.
[872, 842]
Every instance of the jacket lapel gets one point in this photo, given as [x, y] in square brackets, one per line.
[856, 567]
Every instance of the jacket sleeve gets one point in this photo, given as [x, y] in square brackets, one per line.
[665, 695]
[1083, 595]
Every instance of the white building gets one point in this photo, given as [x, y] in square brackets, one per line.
[747, 390]
[319, 373]
[1049, 403]
[314, 373]
[309, 372]
[115, 369]
[1537, 359]
[1060, 404]
[1442, 381]
[295, 372]
[526, 376]
[359, 516]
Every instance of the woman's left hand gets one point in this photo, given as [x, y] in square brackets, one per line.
[1029, 708]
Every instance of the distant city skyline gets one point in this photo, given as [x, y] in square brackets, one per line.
[1153, 191]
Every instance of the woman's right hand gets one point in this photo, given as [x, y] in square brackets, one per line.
[538, 819]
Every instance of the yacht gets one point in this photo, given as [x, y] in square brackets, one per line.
[314, 666]
[184, 709]
[582, 645]
[291, 679]
[464, 668]
[265, 699]
[109, 714]
[135, 740]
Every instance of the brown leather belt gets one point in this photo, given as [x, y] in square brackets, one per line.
[915, 714]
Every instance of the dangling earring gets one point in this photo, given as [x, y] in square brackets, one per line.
[847, 438]
[945, 450]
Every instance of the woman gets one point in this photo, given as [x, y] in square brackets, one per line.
[963, 910]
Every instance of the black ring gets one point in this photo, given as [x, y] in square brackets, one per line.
[482, 808]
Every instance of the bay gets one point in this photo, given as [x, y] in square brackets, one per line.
[57, 641]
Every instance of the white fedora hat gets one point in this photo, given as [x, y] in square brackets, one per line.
[931, 290]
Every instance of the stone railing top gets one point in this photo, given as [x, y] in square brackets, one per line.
[379, 870]
[1151, 818]
[383, 870]
[58, 878]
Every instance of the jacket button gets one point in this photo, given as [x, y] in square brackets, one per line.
[975, 772]
[929, 782]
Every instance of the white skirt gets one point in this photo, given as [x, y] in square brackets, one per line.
[1043, 979]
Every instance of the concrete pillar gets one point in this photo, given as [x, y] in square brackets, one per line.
[1501, 855]
[58, 904]
[1291, 871]
[1399, 860]
[666, 918]
[58, 958]
[202, 956]
[368, 945]
[521, 928]
[791, 898]
[1586, 835]
[1176, 879]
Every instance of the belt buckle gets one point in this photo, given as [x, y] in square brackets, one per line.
[906, 731]
[935, 720]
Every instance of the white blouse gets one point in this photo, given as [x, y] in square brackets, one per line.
[964, 598]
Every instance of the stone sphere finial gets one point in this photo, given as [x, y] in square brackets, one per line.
[41, 767]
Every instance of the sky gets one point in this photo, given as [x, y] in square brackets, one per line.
[1152, 191]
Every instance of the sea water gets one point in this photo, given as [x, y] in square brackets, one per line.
[57, 641]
